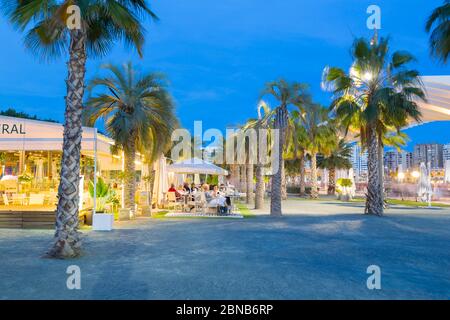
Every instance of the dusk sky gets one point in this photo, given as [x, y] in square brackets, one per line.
[219, 54]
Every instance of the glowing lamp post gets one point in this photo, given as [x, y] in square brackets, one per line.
[401, 178]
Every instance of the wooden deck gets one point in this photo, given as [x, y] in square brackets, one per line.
[27, 219]
[21, 217]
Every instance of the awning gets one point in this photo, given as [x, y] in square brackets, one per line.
[196, 166]
[17, 134]
[437, 107]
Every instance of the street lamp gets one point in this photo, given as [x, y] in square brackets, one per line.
[415, 174]
[401, 177]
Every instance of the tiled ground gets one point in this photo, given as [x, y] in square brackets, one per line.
[319, 250]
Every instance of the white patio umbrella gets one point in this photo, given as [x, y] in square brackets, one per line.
[429, 189]
[161, 185]
[424, 187]
[54, 170]
[144, 174]
[447, 171]
[351, 176]
[197, 166]
[325, 178]
[39, 173]
[144, 170]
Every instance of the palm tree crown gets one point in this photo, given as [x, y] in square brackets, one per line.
[380, 91]
[102, 23]
[134, 107]
[438, 25]
[339, 158]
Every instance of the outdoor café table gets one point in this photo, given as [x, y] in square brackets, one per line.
[232, 197]
[186, 196]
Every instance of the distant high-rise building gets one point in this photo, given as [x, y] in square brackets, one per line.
[391, 159]
[446, 152]
[359, 160]
[394, 160]
[432, 152]
[405, 160]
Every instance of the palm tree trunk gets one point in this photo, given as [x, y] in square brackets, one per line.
[250, 186]
[275, 193]
[237, 170]
[283, 182]
[381, 168]
[374, 201]
[243, 178]
[314, 187]
[130, 176]
[234, 171]
[302, 176]
[332, 181]
[259, 196]
[67, 237]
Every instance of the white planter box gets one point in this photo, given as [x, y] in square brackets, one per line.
[102, 222]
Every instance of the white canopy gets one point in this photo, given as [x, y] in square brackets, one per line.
[17, 134]
[437, 106]
[196, 166]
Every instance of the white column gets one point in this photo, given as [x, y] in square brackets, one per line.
[95, 170]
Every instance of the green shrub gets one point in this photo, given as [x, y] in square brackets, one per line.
[105, 195]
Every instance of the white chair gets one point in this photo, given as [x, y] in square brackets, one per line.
[172, 201]
[207, 207]
[36, 199]
[5, 199]
[18, 199]
[52, 198]
[199, 204]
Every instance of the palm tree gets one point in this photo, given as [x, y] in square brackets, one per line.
[339, 158]
[265, 116]
[320, 137]
[286, 94]
[47, 35]
[296, 146]
[160, 144]
[378, 93]
[137, 110]
[438, 25]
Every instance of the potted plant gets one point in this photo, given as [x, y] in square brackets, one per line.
[343, 189]
[24, 180]
[101, 221]
[114, 202]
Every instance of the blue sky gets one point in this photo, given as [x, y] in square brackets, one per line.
[219, 54]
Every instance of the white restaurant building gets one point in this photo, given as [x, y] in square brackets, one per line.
[30, 160]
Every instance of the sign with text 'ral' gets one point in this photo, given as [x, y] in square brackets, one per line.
[12, 128]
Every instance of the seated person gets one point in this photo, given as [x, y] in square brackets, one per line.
[173, 189]
[216, 198]
[187, 188]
